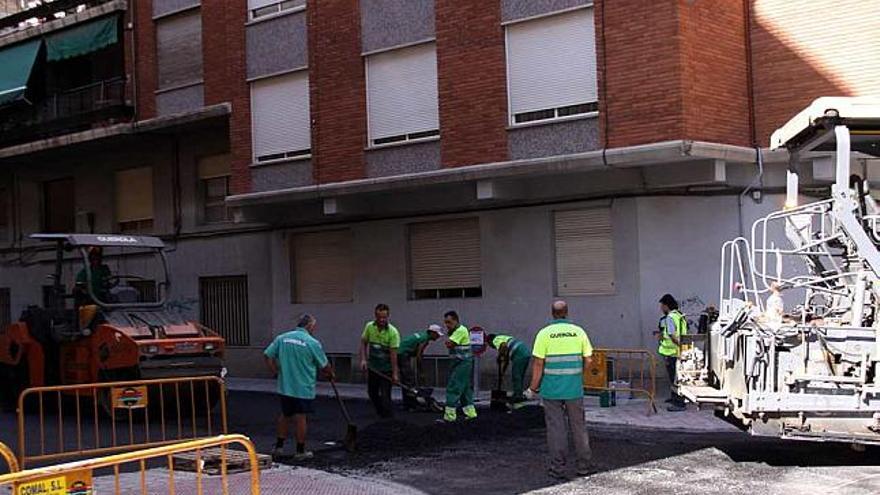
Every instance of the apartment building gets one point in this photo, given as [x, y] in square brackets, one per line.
[485, 156]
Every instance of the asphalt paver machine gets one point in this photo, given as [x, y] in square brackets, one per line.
[809, 367]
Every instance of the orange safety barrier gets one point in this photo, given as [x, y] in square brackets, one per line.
[9, 457]
[80, 477]
[100, 418]
[634, 371]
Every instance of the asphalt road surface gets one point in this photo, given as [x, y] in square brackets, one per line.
[502, 453]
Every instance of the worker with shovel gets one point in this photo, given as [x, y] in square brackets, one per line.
[295, 357]
[409, 359]
[511, 350]
[459, 386]
[380, 341]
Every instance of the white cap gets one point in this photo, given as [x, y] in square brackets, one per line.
[436, 329]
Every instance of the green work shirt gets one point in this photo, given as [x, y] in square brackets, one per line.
[299, 357]
[515, 348]
[100, 275]
[563, 346]
[381, 342]
[461, 337]
[410, 345]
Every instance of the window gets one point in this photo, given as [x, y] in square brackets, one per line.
[263, 8]
[402, 94]
[584, 252]
[321, 265]
[223, 302]
[5, 307]
[134, 200]
[214, 174]
[59, 206]
[281, 120]
[551, 67]
[440, 270]
[179, 49]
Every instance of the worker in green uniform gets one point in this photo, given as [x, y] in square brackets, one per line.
[378, 352]
[672, 327]
[515, 352]
[561, 352]
[100, 275]
[459, 386]
[409, 358]
[296, 357]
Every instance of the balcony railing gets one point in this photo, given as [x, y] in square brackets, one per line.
[66, 111]
[84, 99]
[22, 14]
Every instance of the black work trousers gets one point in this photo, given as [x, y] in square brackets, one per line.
[379, 389]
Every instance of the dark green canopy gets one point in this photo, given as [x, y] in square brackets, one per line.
[16, 62]
[82, 39]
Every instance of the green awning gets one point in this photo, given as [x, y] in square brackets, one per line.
[81, 40]
[16, 62]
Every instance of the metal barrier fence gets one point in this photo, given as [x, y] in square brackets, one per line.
[9, 456]
[623, 370]
[80, 477]
[100, 418]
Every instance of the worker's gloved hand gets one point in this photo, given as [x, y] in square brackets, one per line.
[530, 394]
[395, 378]
[364, 365]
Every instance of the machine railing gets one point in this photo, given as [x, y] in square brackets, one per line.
[127, 472]
[99, 418]
[634, 371]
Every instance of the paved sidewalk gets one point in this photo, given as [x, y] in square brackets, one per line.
[279, 480]
[628, 413]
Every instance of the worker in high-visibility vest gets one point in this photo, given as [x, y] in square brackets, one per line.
[409, 360]
[671, 328]
[459, 386]
[561, 352]
[512, 351]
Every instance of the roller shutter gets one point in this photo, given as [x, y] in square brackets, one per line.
[584, 252]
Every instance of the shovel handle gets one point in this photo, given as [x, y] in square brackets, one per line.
[339, 399]
[399, 384]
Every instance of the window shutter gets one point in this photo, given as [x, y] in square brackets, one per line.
[179, 49]
[256, 4]
[134, 194]
[213, 166]
[402, 91]
[322, 267]
[280, 109]
[552, 62]
[445, 255]
[584, 252]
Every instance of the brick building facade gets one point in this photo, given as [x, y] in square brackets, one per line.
[431, 154]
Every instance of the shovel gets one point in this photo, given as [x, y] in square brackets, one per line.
[351, 432]
[428, 400]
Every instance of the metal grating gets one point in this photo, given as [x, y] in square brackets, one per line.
[5, 307]
[223, 303]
